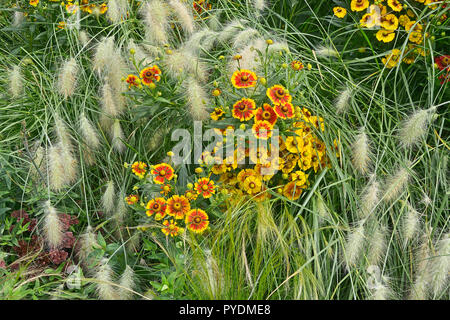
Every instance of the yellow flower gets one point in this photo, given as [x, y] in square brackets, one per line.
[368, 20]
[34, 3]
[395, 5]
[403, 20]
[385, 35]
[359, 5]
[339, 12]
[391, 60]
[390, 22]
[252, 184]
[416, 37]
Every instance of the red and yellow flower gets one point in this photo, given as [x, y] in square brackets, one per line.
[191, 195]
[285, 111]
[157, 207]
[132, 80]
[297, 65]
[139, 168]
[266, 113]
[171, 228]
[278, 95]
[34, 3]
[162, 172]
[244, 109]
[197, 220]
[293, 190]
[205, 187]
[165, 189]
[217, 114]
[243, 79]
[178, 206]
[132, 199]
[150, 74]
[262, 129]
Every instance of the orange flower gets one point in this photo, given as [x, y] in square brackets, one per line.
[243, 79]
[149, 74]
[139, 169]
[266, 113]
[244, 109]
[243, 174]
[262, 129]
[205, 187]
[293, 190]
[34, 3]
[162, 172]
[297, 65]
[165, 189]
[158, 207]
[132, 81]
[285, 111]
[197, 220]
[178, 206]
[171, 228]
[278, 95]
[190, 195]
[132, 199]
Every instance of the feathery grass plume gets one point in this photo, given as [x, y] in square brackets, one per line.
[415, 127]
[156, 22]
[182, 62]
[62, 133]
[244, 37]
[324, 52]
[278, 46]
[67, 159]
[16, 82]
[210, 275]
[184, 15]
[381, 292]
[322, 210]
[361, 152]
[121, 210]
[84, 38]
[18, 18]
[127, 282]
[56, 163]
[140, 56]
[422, 279]
[230, 30]
[378, 284]
[39, 158]
[410, 223]
[260, 5]
[395, 184]
[108, 102]
[87, 244]
[343, 100]
[203, 39]
[108, 198]
[197, 99]
[214, 21]
[157, 138]
[117, 137]
[354, 245]
[67, 78]
[89, 133]
[70, 164]
[250, 57]
[117, 10]
[52, 226]
[105, 284]
[378, 245]
[116, 70]
[103, 53]
[369, 197]
[440, 267]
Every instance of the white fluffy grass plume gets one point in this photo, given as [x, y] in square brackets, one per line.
[103, 53]
[84, 38]
[156, 22]
[105, 284]
[108, 198]
[395, 184]
[410, 223]
[197, 99]
[377, 249]
[343, 100]
[354, 245]
[182, 62]
[230, 30]
[16, 82]
[67, 78]
[117, 137]
[361, 152]
[250, 57]
[324, 52]
[18, 18]
[203, 39]
[140, 56]
[244, 37]
[117, 10]
[127, 282]
[369, 198]
[62, 167]
[260, 5]
[419, 287]
[440, 267]
[89, 133]
[110, 105]
[87, 244]
[415, 127]
[184, 15]
[52, 226]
